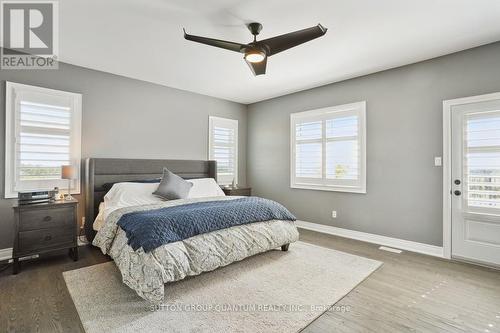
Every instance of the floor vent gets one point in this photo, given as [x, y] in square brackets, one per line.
[390, 249]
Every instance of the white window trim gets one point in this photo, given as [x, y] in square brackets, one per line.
[233, 122]
[10, 90]
[359, 108]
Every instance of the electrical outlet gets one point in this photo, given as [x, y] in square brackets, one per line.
[334, 214]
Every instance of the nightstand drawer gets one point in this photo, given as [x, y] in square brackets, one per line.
[45, 227]
[47, 218]
[239, 191]
[43, 239]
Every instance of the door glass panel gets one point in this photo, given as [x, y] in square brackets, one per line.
[482, 161]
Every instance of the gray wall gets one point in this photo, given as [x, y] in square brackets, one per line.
[127, 118]
[404, 133]
[134, 119]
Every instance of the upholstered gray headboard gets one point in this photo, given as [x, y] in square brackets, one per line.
[99, 171]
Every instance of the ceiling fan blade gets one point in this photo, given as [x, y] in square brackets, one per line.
[258, 68]
[216, 42]
[284, 42]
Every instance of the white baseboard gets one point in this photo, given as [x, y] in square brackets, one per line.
[431, 250]
[5, 254]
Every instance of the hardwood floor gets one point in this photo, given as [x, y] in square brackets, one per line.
[409, 293]
[413, 293]
[36, 299]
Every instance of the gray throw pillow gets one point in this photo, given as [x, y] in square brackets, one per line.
[172, 186]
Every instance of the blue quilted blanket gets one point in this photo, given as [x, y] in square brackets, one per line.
[153, 228]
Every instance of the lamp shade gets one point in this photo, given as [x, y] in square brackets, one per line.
[67, 172]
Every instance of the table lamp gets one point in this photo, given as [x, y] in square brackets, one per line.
[68, 172]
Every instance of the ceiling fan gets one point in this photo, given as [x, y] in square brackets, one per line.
[257, 52]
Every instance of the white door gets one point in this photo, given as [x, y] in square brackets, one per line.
[475, 180]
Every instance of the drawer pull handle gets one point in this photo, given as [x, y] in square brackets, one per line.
[47, 238]
[47, 218]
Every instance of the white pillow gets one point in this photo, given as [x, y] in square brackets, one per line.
[130, 194]
[205, 187]
[137, 194]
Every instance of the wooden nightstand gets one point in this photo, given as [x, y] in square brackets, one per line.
[45, 227]
[242, 191]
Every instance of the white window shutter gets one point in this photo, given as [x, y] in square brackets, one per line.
[223, 148]
[43, 132]
[328, 148]
[44, 141]
[343, 148]
[309, 149]
[482, 161]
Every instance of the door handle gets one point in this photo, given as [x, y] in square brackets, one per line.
[457, 182]
[457, 193]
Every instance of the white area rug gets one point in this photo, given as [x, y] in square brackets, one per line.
[271, 292]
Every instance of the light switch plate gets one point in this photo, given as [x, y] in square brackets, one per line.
[438, 161]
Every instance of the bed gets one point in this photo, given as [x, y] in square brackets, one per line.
[146, 272]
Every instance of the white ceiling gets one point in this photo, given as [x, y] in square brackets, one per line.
[143, 39]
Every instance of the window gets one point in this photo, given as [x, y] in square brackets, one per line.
[482, 161]
[223, 147]
[42, 133]
[328, 148]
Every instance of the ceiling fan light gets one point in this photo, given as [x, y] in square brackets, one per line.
[255, 56]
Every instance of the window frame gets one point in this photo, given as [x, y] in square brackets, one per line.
[323, 114]
[12, 90]
[229, 123]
